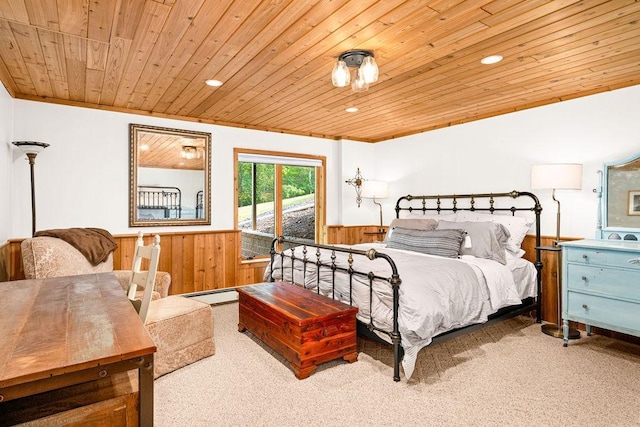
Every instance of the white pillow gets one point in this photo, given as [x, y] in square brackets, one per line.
[450, 216]
[518, 226]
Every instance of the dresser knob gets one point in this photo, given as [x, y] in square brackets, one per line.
[584, 256]
[585, 306]
[584, 278]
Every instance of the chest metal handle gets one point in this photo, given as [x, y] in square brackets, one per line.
[634, 261]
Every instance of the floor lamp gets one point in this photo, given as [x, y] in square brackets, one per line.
[31, 149]
[376, 190]
[557, 177]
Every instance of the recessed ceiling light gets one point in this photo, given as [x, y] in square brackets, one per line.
[491, 59]
[351, 109]
[214, 83]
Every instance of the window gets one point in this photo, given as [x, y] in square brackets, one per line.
[278, 194]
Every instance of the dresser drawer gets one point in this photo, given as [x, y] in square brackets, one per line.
[612, 282]
[589, 256]
[622, 316]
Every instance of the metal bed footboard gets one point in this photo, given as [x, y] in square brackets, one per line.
[314, 261]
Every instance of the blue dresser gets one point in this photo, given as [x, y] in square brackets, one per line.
[601, 285]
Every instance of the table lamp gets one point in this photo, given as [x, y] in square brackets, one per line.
[556, 177]
[376, 190]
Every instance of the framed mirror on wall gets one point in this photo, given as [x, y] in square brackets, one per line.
[169, 176]
[620, 203]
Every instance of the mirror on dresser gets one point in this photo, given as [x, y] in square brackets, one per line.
[620, 200]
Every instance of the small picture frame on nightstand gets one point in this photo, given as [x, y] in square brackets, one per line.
[634, 202]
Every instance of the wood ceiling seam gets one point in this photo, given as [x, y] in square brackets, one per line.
[42, 14]
[7, 80]
[116, 61]
[13, 60]
[14, 11]
[74, 18]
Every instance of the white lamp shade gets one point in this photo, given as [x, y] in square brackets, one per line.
[567, 176]
[30, 147]
[375, 189]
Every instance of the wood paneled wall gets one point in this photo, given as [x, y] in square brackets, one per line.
[202, 261]
[197, 261]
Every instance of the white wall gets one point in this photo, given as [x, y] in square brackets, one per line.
[496, 155]
[82, 179]
[6, 152]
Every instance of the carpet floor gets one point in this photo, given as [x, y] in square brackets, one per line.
[506, 374]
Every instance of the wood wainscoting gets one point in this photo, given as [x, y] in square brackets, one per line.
[197, 261]
[209, 260]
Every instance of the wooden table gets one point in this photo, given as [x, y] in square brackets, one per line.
[63, 331]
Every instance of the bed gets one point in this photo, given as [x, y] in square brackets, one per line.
[151, 200]
[448, 262]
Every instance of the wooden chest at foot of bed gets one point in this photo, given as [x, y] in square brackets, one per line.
[305, 328]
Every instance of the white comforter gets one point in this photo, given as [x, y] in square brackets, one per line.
[436, 295]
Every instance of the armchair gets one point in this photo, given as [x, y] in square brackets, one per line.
[44, 257]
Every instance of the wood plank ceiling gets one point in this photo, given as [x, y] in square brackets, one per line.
[275, 59]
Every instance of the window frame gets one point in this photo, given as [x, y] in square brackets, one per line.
[320, 183]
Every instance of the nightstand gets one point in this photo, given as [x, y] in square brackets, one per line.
[555, 330]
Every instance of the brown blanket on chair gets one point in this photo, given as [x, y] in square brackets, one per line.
[94, 243]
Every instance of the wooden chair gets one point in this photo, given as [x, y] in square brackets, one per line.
[145, 279]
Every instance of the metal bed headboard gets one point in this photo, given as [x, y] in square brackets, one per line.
[481, 202]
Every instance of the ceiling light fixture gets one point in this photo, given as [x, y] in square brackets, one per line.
[213, 83]
[351, 109]
[365, 74]
[190, 152]
[492, 59]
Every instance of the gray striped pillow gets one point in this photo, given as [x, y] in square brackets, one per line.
[444, 243]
